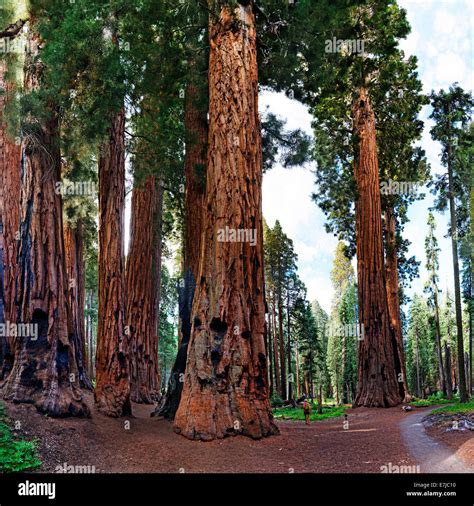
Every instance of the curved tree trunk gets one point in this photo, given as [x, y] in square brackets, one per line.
[74, 244]
[393, 295]
[143, 289]
[10, 190]
[112, 393]
[225, 385]
[379, 366]
[45, 370]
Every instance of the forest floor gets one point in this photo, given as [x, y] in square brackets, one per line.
[374, 438]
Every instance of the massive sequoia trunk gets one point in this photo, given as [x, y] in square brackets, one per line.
[195, 123]
[10, 184]
[225, 388]
[112, 393]
[44, 370]
[393, 293]
[74, 245]
[143, 289]
[379, 365]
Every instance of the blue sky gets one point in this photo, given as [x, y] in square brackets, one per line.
[442, 39]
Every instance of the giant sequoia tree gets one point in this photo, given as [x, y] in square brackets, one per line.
[345, 88]
[45, 368]
[225, 388]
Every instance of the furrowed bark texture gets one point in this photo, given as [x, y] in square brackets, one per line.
[74, 245]
[143, 290]
[195, 122]
[379, 366]
[112, 393]
[393, 294]
[225, 386]
[45, 370]
[10, 184]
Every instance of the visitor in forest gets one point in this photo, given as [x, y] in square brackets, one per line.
[307, 411]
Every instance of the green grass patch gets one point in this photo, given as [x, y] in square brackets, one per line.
[433, 400]
[298, 413]
[16, 454]
[467, 407]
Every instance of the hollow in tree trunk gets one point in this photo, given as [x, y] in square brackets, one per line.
[225, 385]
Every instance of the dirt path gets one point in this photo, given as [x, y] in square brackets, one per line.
[144, 444]
[431, 455]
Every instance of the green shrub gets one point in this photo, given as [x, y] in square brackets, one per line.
[16, 454]
[467, 407]
[433, 400]
[276, 401]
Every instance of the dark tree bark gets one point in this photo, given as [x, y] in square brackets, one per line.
[379, 365]
[393, 293]
[281, 345]
[448, 371]
[463, 393]
[45, 370]
[269, 348]
[143, 289]
[195, 123]
[10, 190]
[225, 386]
[288, 346]
[112, 393]
[275, 347]
[74, 245]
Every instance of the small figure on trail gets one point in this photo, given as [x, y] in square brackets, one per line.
[307, 411]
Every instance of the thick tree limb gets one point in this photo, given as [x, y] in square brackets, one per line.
[13, 30]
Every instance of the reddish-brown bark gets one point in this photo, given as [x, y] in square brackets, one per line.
[143, 289]
[74, 245]
[10, 184]
[393, 293]
[195, 123]
[45, 370]
[379, 367]
[112, 393]
[225, 386]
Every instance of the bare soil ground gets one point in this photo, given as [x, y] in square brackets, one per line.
[460, 441]
[371, 440]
